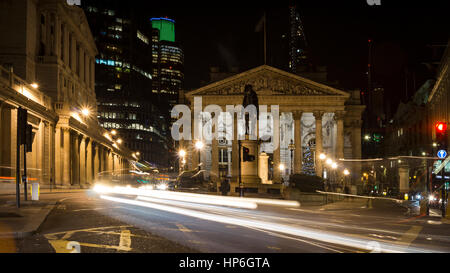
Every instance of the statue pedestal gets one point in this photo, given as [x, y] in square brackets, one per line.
[249, 169]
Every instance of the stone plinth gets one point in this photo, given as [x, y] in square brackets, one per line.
[249, 169]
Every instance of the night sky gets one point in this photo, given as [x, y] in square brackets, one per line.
[222, 33]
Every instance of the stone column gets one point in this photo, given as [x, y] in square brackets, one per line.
[66, 46]
[356, 151]
[7, 139]
[298, 153]
[195, 154]
[96, 160]
[92, 78]
[67, 158]
[57, 36]
[73, 53]
[276, 151]
[75, 159]
[109, 156]
[319, 148]
[339, 117]
[86, 70]
[215, 160]
[89, 165]
[83, 154]
[235, 151]
[81, 52]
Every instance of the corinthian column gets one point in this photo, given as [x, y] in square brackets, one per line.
[318, 116]
[298, 153]
[276, 151]
[235, 150]
[339, 116]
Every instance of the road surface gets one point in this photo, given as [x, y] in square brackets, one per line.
[89, 222]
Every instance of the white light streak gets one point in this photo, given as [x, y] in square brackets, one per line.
[328, 237]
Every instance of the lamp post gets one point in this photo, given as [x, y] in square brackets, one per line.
[291, 148]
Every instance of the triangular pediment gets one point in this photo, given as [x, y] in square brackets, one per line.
[267, 80]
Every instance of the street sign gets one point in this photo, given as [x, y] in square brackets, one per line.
[442, 154]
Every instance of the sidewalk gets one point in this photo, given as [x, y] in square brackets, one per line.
[26, 220]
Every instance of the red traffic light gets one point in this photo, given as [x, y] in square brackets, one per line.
[441, 127]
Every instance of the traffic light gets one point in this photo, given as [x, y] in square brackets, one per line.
[29, 138]
[22, 117]
[246, 154]
[441, 135]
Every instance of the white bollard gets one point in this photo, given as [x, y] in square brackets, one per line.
[35, 191]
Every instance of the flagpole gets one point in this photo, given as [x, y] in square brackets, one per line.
[265, 38]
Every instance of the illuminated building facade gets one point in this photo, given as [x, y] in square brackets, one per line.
[124, 81]
[47, 59]
[168, 59]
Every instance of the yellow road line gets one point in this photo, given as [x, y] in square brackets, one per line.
[125, 240]
[183, 228]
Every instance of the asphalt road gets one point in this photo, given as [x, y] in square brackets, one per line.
[123, 223]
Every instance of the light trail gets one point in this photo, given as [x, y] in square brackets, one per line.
[329, 237]
[240, 202]
[198, 198]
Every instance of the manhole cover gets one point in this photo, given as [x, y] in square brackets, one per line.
[9, 214]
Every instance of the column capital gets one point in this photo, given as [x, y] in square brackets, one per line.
[297, 114]
[339, 115]
[318, 114]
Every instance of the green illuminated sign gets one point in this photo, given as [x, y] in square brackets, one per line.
[166, 28]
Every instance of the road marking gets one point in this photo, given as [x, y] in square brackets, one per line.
[60, 246]
[410, 236]
[183, 228]
[125, 240]
[196, 242]
[273, 247]
[96, 209]
[52, 235]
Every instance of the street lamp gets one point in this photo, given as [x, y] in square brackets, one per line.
[113, 132]
[35, 85]
[85, 112]
[199, 146]
[322, 156]
[291, 148]
[346, 174]
[182, 154]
